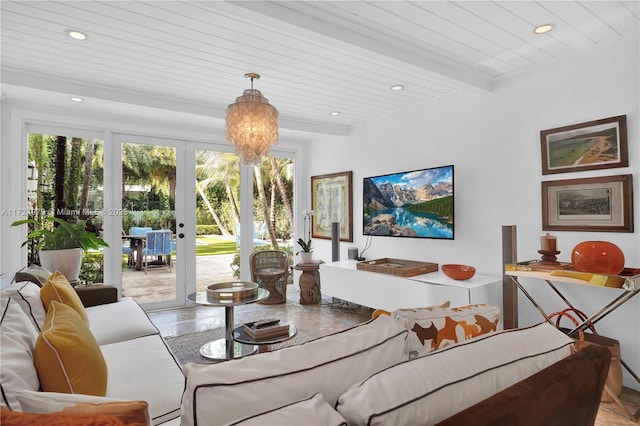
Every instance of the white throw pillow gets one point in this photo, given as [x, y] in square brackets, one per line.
[437, 327]
[49, 402]
[119, 321]
[27, 294]
[220, 393]
[17, 342]
[34, 273]
[431, 388]
[311, 411]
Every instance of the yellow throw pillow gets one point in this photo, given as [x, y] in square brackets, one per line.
[67, 356]
[58, 288]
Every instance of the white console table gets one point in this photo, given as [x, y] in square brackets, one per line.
[344, 281]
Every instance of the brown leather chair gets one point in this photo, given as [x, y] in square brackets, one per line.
[270, 270]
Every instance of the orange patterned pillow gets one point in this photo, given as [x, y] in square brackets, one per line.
[17, 418]
[436, 327]
[129, 412]
[58, 288]
[379, 312]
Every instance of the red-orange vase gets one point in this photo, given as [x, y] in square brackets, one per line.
[598, 257]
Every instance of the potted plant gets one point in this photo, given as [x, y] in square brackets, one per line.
[306, 252]
[60, 243]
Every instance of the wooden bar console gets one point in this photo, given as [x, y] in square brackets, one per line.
[612, 298]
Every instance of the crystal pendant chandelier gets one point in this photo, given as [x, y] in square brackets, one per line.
[252, 124]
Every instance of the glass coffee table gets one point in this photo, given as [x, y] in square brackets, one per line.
[264, 344]
[226, 348]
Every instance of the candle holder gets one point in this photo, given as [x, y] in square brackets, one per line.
[549, 257]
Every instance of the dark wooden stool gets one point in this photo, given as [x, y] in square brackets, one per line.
[272, 279]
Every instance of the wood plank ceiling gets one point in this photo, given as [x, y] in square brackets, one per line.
[315, 57]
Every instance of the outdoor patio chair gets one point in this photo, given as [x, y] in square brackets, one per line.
[270, 270]
[261, 230]
[159, 244]
[131, 245]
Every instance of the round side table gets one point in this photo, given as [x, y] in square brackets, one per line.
[226, 348]
[240, 336]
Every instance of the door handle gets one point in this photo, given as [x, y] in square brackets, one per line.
[181, 235]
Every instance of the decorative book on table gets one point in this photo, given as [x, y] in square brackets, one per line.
[266, 329]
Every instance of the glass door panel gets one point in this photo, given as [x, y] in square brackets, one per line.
[149, 245]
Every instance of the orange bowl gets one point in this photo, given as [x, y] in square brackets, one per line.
[458, 272]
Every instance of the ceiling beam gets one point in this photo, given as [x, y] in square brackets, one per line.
[144, 101]
[429, 64]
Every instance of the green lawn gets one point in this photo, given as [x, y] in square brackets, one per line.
[213, 245]
[208, 245]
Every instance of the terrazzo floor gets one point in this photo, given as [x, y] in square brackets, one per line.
[314, 320]
[318, 320]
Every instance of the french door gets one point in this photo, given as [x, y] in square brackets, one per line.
[169, 184]
[154, 227]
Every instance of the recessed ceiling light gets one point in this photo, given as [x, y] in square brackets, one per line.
[76, 99]
[541, 29]
[397, 87]
[335, 112]
[77, 35]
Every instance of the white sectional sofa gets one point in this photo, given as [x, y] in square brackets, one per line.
[362, 375]
[139, 364]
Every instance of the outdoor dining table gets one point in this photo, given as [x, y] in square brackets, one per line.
[137, 243]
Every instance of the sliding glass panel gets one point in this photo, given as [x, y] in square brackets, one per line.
[273, 222]
[65, 180]
[218, 213]
[217, 217]
[272, 204]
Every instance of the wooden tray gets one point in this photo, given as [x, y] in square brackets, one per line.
[232, 291]
[397, 267]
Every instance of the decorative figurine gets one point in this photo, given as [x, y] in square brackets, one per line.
[548, 250]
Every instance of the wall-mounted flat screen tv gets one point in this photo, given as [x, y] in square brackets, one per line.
[416, 204]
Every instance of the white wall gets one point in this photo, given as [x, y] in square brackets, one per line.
[493, 141]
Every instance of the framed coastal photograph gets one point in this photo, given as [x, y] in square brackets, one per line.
[331, 201]
[598, 144]
[591, 204]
